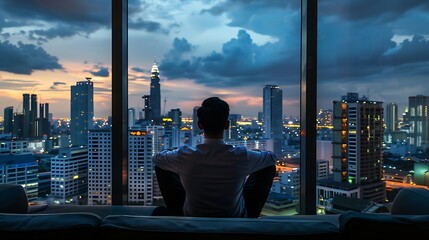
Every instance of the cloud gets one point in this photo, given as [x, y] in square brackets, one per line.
[25, 58]
[55, 85]
[367, 10]
[99, 71]
[140, 24]
[67, 18]
[240, 63]
[18, 84]
[139, 70]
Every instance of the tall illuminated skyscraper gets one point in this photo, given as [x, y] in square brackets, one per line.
[100, 166]
[391, 117]
[82, 111]
[357, 150]
[155, 95]
[419, 122]
[273, 116]
[140, 168]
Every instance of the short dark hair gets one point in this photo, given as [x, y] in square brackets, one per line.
[213, 114]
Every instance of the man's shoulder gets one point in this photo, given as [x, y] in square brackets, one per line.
[262, 154]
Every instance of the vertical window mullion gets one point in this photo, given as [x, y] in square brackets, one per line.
[308, 108]
[119, 102]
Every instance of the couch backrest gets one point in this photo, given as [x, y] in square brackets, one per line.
[13, 198]
[58, 225]
[412, 201]
[218, 228]
[357, 225]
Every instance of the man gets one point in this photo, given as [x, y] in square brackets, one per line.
[214, 179]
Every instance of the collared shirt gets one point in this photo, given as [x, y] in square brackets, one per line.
[213, 175]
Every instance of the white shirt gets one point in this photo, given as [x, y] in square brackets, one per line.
[213, 175]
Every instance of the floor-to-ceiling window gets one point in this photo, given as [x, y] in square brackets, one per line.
[245, 52]
[55, 91]
[372, 100]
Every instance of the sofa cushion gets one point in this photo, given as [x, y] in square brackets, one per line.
[414, 201]
[357, 225]
[13, 198]
[218, 228]
[59, 225]
[37, 222]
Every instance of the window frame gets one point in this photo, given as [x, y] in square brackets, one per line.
[308, 103]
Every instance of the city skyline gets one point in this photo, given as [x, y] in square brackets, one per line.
[231, 49]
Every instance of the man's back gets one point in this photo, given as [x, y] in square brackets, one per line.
[213, 175]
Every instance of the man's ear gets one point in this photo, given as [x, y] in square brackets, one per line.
[200, 125]
[227, 124]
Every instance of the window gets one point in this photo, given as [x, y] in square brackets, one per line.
[372, 66]
[247, 53]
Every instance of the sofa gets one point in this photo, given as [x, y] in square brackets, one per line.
[17, 219]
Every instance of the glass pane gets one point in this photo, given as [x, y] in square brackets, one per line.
[372, 96]
[55, 90]
[247, 53]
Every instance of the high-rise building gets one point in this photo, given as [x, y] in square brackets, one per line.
[273, 116]
[140, 168]
[8, 120]
[33, 115]
[419, 123]
[391, 117]
[100, 167]
[69, 171]
[176, 124]
[18, 125]
[20, 168]
[158, 144]
[82, 111]
[43, 124]
[131, 117]
[26, 130]
[357, 150]
[146, 108]
[155, 95]
[232, 132]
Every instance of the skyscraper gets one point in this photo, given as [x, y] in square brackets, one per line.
[100, 166]
[146, 108]
[140, 168]
[8, 120]
[155, 95]
[176, 124]
[391, 117]
[26, 130]
[33, 115]
[131, 117]
[82, 111]
[69, 172]
[419, 122]
[43, 126]
[357, 146]
[273, 116]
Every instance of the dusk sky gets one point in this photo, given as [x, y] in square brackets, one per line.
[230, 49]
